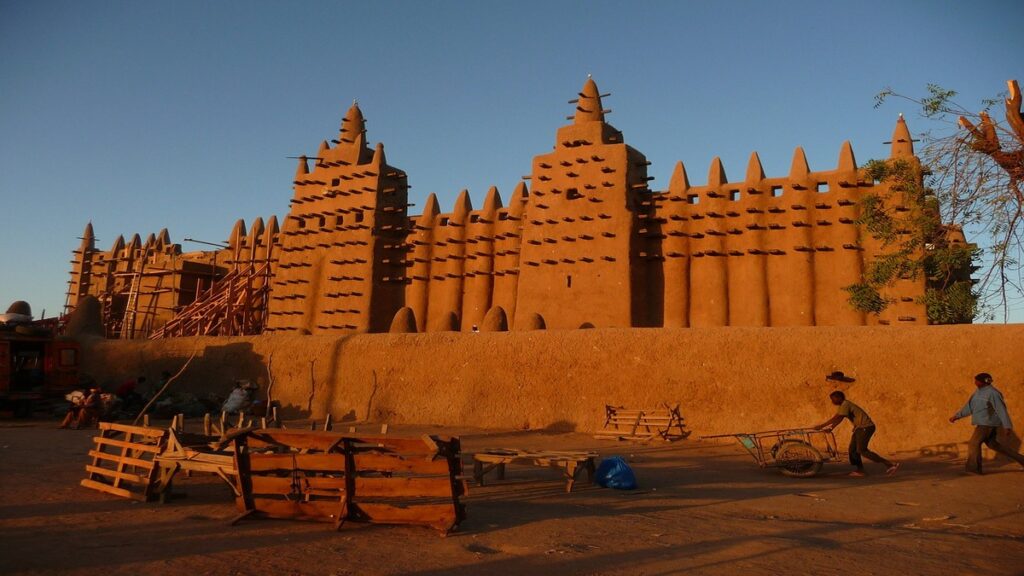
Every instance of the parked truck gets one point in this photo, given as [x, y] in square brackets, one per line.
[36, 363]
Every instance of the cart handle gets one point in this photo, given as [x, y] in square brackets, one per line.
[784, 431]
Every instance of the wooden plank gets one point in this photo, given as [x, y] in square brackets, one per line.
[118, 458]
[440, 516]
[308, 462]
[289, 485]
[371, 462]
[107, 488]
[122, 444]
[397, 487]
[117, 474]
[140, 430]
[319, 510]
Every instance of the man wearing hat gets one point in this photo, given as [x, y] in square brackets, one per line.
[987, 410]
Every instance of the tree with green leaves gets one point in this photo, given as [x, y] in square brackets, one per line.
[974, 176]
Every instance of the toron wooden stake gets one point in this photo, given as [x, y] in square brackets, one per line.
[591, 244]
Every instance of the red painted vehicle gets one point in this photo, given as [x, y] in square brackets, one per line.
[35, 364]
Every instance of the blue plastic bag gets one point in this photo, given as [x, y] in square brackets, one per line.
[615, 473]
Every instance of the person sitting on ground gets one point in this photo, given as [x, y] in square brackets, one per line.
[83, 412]
[76, 398]
[988, 413]
[863, 430]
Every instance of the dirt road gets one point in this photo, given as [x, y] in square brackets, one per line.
[702, 508]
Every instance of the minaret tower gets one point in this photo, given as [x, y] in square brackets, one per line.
[580, 263]
[341, 266]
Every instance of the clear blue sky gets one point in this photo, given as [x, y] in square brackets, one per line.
[140, 115]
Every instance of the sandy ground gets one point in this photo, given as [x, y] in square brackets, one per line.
[703, 508]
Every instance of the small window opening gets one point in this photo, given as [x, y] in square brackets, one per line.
[734, 195]
[568, 281]
[823, 188]
[474, 218]
[336, 181]
[776, 191]
[300, 222]
[359, 216]
[503, 216]
[572, 194]
[694, 199]
[444, 221]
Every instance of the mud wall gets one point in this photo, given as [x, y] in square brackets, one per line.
[909, 378]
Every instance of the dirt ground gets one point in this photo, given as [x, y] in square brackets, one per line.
[703, 507]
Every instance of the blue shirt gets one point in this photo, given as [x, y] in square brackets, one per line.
[986, 408]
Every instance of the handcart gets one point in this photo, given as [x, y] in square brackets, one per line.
[799, 452]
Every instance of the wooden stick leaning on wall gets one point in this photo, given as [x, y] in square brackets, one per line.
[162, 389]
[270, 387]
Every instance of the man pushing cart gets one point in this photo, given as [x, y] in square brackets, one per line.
[801, 452]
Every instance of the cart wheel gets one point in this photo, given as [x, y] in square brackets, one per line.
[797, 458]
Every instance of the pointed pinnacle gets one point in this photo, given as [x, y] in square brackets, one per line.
[589, 108]
[847, 162]
[716, 174]
[799, 169]
[679, 183]
[492, 202]
[755, 171]
[902, 143]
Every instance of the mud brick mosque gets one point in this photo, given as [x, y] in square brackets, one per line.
[585, 244]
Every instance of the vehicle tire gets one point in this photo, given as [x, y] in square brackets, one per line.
[797, 458]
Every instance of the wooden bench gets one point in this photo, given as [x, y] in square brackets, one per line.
[124, 461]
[327, 476]
[569, 463]
[630, 424]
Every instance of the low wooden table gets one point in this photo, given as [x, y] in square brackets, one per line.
[193, 453]
[569, 463]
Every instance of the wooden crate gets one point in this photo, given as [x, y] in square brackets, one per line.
[334, 477]
[623, 423]
[123, 461]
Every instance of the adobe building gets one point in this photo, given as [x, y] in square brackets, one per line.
[588, 244]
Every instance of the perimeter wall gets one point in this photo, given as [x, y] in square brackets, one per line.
[909, 378]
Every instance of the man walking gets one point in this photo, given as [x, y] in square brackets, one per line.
[987, 410]
[863, 430]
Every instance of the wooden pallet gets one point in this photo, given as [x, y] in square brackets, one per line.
[327, 476]
[123, 461]
[642, 425]
[569, 463]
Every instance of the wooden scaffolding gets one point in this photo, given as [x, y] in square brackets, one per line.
[235, 305]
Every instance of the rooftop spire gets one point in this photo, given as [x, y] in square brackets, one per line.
[588, 107]
[799, 170]
[492, 202]
[88, 238]
[755, 171]
[847, 162]
[679, 183]
[716, 174]
[353, 125]
[902, 143]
